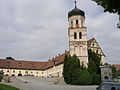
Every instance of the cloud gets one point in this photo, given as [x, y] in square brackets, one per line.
[37, 29]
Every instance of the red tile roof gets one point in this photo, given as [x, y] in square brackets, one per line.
[32, 65]
[19, 64]
[117, 66]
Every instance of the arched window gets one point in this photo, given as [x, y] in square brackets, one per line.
[80, 35]
[75, 35]
[77, 22]
[81, 23]
[71, 23]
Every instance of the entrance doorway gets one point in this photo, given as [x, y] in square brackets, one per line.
[19, 74]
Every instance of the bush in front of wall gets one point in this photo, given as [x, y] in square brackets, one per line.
[85, 78]
[96, 79]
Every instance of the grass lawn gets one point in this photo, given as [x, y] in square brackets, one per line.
[6, 87]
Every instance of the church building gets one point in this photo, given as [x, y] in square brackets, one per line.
[78, 45]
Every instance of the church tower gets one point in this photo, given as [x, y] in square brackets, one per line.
[78, 35]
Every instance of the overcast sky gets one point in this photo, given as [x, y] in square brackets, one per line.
[37, 29]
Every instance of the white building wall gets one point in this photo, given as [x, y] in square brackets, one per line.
[54, 71]
[15, 72]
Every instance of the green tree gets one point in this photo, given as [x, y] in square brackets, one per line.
[71, 69]
[66, 69]
[112, 6]
[85, 78]
[74, 73]
[94, 62]
[94, 66]
[75, 80]
[96, 78]
[77, 74]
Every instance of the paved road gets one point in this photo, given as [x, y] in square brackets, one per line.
[36, 83]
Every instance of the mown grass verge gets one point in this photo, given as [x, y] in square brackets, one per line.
[7, 87]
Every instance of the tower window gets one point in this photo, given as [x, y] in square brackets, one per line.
[71, 23]
[80, 35]
[75, 35]
[76, 21]
[81, 23]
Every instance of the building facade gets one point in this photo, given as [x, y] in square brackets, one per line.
[78, 45]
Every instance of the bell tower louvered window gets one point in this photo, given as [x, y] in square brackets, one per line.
[80, 35]
[75, 35]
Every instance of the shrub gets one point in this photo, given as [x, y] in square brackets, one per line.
[75, 77]
[85, 78]
[1, 77]
[96, 79]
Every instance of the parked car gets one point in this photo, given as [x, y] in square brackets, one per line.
[108, 85]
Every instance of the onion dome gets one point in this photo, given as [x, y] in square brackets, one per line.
[76, 11]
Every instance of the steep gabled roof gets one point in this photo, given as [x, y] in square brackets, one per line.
[89, 42]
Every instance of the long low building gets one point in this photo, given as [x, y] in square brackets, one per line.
[33, 68]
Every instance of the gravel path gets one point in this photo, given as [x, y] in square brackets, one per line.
[37, 83]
